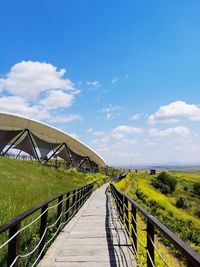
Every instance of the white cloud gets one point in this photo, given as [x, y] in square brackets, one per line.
[126, 142]
[122, 133]
[136, 116]
[93, 83]
[39, 91]
[114, 80]
[176, 131]
[28, 79]
[124, 145]
[64, 118]
[124, 129]
[148, 142]
[95, 133]
[174, 112]
[112, 111]
[18, 106]
[179, 148]
[103, 150]
[57, 99]
[90, 130]
[99, 133]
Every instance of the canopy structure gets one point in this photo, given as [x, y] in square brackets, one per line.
[44, 142]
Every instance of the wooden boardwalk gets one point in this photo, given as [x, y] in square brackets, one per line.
[93, 238]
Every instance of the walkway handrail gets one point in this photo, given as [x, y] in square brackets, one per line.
[128, 208]
[72, 199]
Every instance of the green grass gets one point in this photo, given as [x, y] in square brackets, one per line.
[182, 222]
[23, 185]
[186, 179]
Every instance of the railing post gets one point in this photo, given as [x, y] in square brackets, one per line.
[43, 225]
[85, 194]
[67, 206]
[74, 201]
[81, 197]
[89, 191]
[13, 245]
[121, 207]
[76, 205]
[118, 201]
[126, 215]
[134, 227]
[78, 199]
[150, 247]
[113, 192]
[59, 210]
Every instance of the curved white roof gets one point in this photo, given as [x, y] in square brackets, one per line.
[48, 133]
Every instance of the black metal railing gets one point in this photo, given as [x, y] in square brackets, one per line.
[51, 216]
[127, 210]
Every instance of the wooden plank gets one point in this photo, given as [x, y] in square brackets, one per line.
[95, 237]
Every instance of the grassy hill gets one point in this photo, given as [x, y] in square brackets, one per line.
[183, 222]
[23, 185]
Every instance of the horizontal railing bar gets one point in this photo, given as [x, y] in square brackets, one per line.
[29, 212]
[193, 256]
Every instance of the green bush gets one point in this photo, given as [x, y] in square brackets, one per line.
[185, 188]
[157, 184]
[196, 189]
[140, 195]
[182, 203]
[165, 183]
[165, 189]
[166, 179]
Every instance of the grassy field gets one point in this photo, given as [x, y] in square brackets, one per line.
[182, 222]
[23, 185]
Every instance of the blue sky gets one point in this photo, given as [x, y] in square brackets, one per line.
[122, 76]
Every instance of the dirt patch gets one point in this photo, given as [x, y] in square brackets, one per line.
[128, 187]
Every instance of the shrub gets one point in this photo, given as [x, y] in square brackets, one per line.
[182, 203]
[165, 189]
[197, 212]
[185, 188]
[196, 189]
[165, 183]
[157, 184]
[140, 195]
[166, 179]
